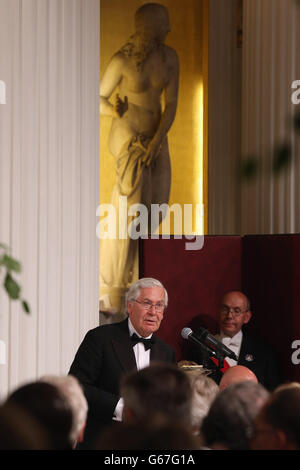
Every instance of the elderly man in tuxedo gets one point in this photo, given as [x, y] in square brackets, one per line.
[109, 351]
[234, 313]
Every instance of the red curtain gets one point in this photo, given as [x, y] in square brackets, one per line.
[265, 267]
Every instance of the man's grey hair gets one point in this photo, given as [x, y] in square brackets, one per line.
[71, 389]
[205, 391]
[248, 305]
[230, 420]
[135, 290]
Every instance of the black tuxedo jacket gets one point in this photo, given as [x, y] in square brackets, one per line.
[255, 355]
[103, 357]
[260, 358]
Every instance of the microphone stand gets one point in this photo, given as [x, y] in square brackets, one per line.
[220, 358]
[208, 364]
[207, 353]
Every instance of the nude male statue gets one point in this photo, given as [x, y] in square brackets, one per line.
[146, 73]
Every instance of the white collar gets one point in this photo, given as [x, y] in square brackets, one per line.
[236, 339]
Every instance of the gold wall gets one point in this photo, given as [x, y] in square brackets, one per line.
[187, 137]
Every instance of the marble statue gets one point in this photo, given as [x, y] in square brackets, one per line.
[145, 74]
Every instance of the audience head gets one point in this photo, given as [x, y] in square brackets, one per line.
[287, 385]
[234, 313]
[160, 389]
[229, 423]
[204, 391]
[154, 434]
[73, 393]
[146, 302]
[49, 407]
[19, 430]
[236, 374]
[277, 426]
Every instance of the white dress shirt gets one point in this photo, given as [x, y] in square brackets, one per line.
[233, 343]
[142, 359]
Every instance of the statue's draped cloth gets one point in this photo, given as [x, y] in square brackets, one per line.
[118, 256]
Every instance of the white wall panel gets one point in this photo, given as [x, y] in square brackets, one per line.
[249, 109]
[271, 62]
[49, 126]
[224, 115]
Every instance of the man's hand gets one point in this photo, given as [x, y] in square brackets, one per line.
[120, 106]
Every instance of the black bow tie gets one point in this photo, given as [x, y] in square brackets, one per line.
[148, 343]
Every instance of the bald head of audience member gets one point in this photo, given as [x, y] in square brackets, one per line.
[277, 426]
[235, 375]
[234, 313]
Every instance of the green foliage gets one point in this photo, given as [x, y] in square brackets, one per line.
[282, 155]
[25, 306]
[9, 265]
[249, 168]
[11, 286]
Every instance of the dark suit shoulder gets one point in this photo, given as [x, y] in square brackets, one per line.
[163, 343]
[256, 343]
[108, 330]
[260, 357]
[97, 339]
[166, 350]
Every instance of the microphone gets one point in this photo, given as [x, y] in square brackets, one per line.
[204, 337]
[187, 333]
[216, 344]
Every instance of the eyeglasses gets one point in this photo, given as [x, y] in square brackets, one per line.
[236, 311]
[159, 307]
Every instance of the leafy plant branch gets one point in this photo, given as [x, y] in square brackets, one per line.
[282, 156]
[10, 265]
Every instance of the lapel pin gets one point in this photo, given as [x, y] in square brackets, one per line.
[249, 357]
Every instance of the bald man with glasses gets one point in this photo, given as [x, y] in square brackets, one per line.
[234, 313]
[109, 351]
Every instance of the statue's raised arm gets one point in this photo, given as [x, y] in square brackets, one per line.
[109, 82]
